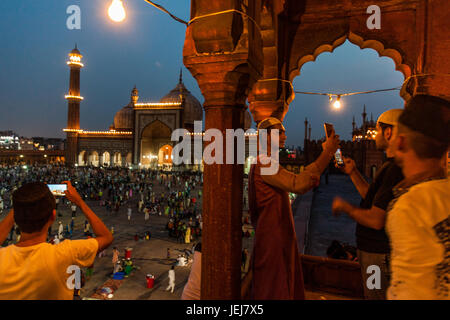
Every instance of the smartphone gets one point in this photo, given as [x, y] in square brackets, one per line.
[338, 157]
[58, 189]
[328, 129]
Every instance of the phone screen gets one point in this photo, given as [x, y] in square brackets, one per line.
[338, 157]
[58, 189]
[328, 129]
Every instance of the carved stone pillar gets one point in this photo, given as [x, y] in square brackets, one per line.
[433, 64]
[223, 52]
[270, 98]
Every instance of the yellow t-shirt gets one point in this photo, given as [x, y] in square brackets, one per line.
[39, 272]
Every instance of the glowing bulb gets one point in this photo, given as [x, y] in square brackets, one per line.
[337, 103]
[116, 11]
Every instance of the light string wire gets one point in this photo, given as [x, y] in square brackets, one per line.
[223, 12]
[160, 7]
[202, 16]
[330, 94]
[277, 79]
[424, 75]
[345, 94]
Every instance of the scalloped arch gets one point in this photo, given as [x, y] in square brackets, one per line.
[363, 44]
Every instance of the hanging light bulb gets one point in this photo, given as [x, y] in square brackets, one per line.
[337, 103]
[116, 11]
[330, 97]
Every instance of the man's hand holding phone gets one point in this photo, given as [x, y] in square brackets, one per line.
[72, 194]
[331, 144]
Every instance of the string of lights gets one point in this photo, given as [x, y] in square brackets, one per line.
[160, 7]
[117, 13]
[337, 103]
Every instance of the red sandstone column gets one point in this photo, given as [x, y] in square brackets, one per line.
[223, 52]
[270, 98]
[434, 61]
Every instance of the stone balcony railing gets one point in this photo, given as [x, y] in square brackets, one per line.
[324, 278]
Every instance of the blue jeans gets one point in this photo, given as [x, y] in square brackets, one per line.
[381, 260]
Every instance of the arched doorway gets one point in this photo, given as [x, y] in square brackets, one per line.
[82, 158]
[129, 159]
[117, 161]
[94, 159]
[106, 159]
[165, 156]
[343, 67]
[153, 136]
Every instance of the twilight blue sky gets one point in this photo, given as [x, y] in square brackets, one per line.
[146, 50]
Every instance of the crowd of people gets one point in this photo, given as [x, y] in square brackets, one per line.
[164, 193]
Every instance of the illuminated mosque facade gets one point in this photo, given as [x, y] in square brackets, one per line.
[140, 135]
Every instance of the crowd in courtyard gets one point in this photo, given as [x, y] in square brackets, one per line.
[174, 195]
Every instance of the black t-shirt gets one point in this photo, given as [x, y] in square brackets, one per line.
[378, 195]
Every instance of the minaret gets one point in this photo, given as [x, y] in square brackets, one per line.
[309, 136]
[364, 115]
[73, 100]
[305, 141]
[353, 124]
[134, 96]
[306, 129]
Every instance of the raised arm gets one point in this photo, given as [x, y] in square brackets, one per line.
[103, 235]
[308, 179]
[360, 183]
[6, 226]
[288, 181]
[374, 217]
[329, 148]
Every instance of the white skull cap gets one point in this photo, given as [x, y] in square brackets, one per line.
[390, 117]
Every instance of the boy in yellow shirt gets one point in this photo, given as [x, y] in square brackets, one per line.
[33, 269]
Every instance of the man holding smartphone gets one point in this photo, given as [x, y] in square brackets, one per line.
[33, 269]
[276, 267]
[371, 239]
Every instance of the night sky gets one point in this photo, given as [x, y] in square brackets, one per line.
[146, 50]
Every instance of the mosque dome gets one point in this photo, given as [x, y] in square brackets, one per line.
[192, 110]
[124, 118]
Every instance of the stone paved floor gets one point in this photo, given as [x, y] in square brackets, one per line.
[324, 227]
[149, 256]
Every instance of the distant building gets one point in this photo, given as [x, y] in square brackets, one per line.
[9, 140]
[43, 144]
[15, 150]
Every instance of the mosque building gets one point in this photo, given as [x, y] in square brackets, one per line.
[140, 135]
